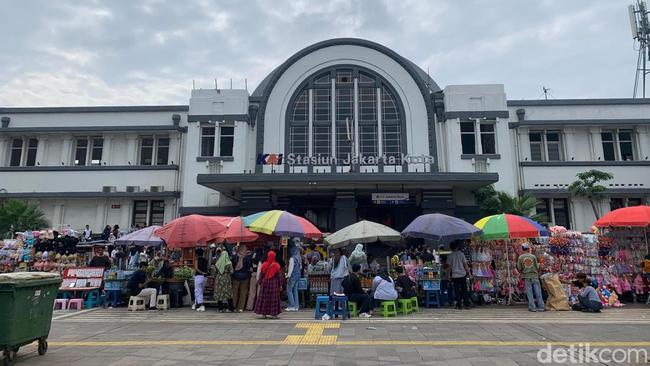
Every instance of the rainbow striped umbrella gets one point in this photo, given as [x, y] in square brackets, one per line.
[282, 223]
[507, 226]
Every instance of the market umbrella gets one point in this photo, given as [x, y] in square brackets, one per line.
[362, 232]
[142, 237]
[441, 228]
[507, 226]
[281, 223]
[636, 216]
[236, 231]
[190, 231]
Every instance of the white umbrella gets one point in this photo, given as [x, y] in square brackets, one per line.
[362, 232]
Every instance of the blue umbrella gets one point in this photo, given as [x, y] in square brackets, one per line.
[440, 227]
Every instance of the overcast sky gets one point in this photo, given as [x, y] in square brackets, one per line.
[66, 53]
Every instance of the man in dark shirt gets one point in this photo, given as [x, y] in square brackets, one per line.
[404, 286]
[355, 293]
[100, 260]
[137, 284]
[166, 272]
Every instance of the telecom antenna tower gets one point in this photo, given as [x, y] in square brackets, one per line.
[641, 33]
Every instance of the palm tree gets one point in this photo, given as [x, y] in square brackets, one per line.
[494, 202]
[16, 215]
[587, 186]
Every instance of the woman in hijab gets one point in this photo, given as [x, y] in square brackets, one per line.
[222, 270]
[293, 277]
[241, 276]
[359, 257]
[252, 285]
[383, 287]
[268, 299]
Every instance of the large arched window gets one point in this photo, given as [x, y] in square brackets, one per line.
[346, 112]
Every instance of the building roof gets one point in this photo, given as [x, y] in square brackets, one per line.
[576, 102]
[264, 88]
[97, 109]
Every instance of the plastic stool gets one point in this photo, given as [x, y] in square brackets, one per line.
[162, 302]
[93, 299]
[78, 304]
[388, 308]
[136, 303]
[321, 300]
[414, 304]
[432, 298]
[404, 305]
[339, 306]
[62, 302]
[352, 308]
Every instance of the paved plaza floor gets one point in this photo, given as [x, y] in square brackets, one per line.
[493, 335]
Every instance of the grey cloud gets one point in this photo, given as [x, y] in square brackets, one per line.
[148, 52]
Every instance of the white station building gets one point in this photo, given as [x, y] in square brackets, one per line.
[344, 129]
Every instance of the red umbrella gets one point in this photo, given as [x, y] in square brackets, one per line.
[190, 231]
[236, 231]
[637, 216]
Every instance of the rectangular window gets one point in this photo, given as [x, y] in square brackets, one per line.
[467, 137]
[536, 146]
[488, 139]
[367, 104]
[140, 213]
[157, 213]
[98, 147]
[392, 144]
[226, 140]
[616, 203]
[626, 145]
[81, 151]
[301, 107]
[553, 146]
[561, 212]
[542, 209]
[32, 148]
[322, 104]
[16, 152]
[322, 141]
[146, 151]
[298, 140]
[389, 108]
[344, 104]
[344, 77]
[609, 148]
[368, 141]
[162, 151]
[207, 141]
[343, 143]
[634, 201]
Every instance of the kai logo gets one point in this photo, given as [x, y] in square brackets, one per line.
[269, 159]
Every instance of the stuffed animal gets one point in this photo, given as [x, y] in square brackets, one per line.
[639, 285]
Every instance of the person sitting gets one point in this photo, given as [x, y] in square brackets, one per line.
[404, 285]
[588, 298]
[353, 290]
[383, 287]
[166, 272]
[137, 285]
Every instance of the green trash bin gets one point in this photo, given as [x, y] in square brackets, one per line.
[26, 303]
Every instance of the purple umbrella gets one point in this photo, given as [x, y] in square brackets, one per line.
[440, 227]
[142, 237]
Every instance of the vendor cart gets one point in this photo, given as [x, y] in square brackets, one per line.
[26, 303]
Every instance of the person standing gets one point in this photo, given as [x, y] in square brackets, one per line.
[106, 233]
[355, 292]
[359, 257]
[293, 277]
[199, 280]
[88, 234]
[339, 269]
[268, 299]
[528, 268]
[459, 270]
[252, 284]
[222, 272]
[100, 260]
[241, 277]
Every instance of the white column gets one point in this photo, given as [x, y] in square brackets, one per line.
[4, 150]
[524, 143]
[477, 136]
[175, 149]
[642, 134]
[107, 150]
[568, 143]
[596, 143]
[380, 132]
[100, 217]
[66, 150]
[355, 117]
[131, 149]
[125, 213]
[310, 129]
[333, 116]
[41, 151]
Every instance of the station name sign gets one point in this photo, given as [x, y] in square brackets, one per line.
[299, 160]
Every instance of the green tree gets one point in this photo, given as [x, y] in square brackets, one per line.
[494, 202]
[17, 215]
[587, 186]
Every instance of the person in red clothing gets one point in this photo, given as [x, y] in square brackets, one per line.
[268, 299]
